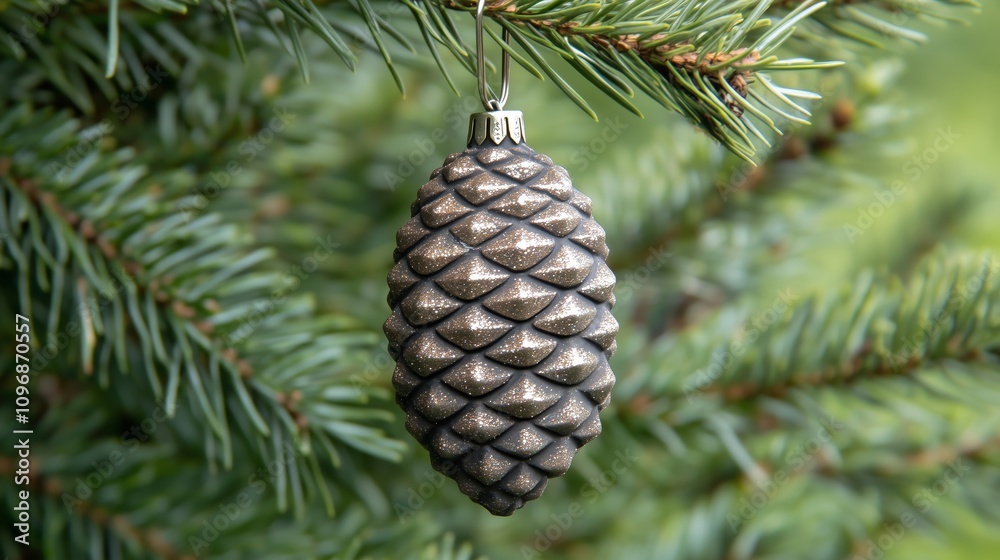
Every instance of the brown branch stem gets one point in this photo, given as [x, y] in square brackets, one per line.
[679, 55]
[854, 371]
[90, 232]
[53, 488]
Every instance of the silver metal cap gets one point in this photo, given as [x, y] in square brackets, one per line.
[495, 126]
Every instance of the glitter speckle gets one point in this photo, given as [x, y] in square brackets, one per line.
[598, 386]
[571, 364]
[437, 402]
[555, 182]
[600, 286]
[473, 328]
[487, 465]
[410, 233]
[448, 445]
[556, 458]
[591, 235]
[567, 268]
[523, 348]
[428, 354]
[568, 316]
[557, 219]
[521, 300]
[461, 168]
[430, 189]
[401, 278]
[483, 187]
[443, 211]
[567, 415]
[478, 228]
[521, 203]
[492, 155]
[521, 480]
[471, 278]
[434, 254]
[404, 380]
[425, 304]
[397, 330]
[518, 249]
[582, 202]
[480, 424]
[477, 376]
[523, 441]
[604, 331]
[520, 169]
[525, 399]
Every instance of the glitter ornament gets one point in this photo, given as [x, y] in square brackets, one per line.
[501, 324]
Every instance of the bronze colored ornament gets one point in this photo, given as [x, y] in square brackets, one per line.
[501, 321]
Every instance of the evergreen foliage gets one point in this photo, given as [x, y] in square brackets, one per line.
[197, 209]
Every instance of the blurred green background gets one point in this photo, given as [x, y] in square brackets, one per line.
[724, 238]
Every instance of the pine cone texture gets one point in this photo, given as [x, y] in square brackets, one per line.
[501, 322]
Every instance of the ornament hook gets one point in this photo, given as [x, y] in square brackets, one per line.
[490, 103]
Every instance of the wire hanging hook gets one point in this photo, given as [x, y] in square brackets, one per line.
[490, 103]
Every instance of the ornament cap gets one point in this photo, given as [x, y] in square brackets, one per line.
[495, 126]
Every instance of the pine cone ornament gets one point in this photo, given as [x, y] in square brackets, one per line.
[501, 321]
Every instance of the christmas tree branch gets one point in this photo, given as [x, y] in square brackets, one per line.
[169, 301]
[698, 205]
[707, 64]
[914, 468]
[52, 490]
[943, 216]
[744, 512]
[874, 22]
[113, 496]
[864, 364]
[663, 50]
[869, 331]
[935, 457]
[116, 528]
[656, 49]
